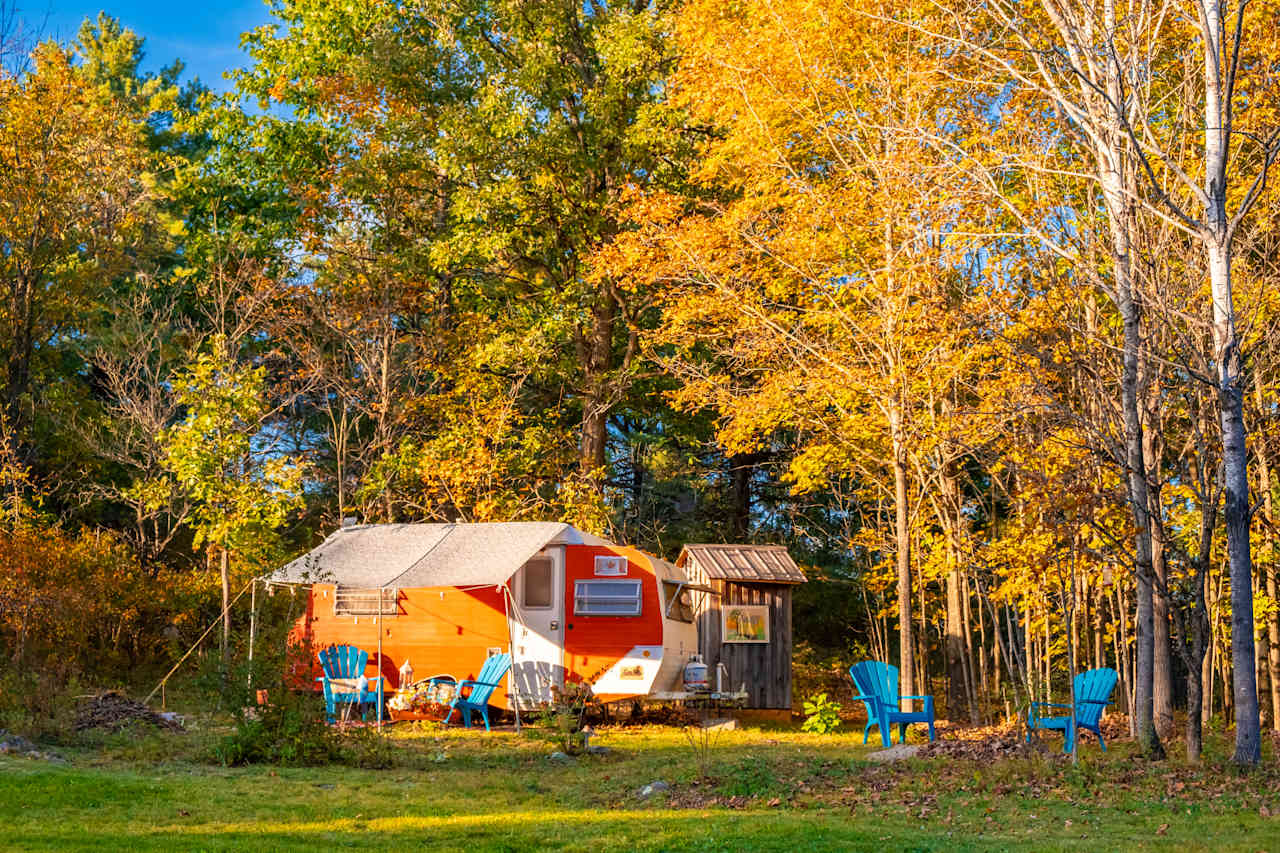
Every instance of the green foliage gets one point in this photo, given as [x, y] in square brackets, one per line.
[822, 715]
[38, 705]
[748, 777]
[291, 733]
[370, 749]
[240, 496]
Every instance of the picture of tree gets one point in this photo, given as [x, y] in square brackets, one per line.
[745, 623]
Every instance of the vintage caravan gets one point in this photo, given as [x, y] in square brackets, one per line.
[569, 606]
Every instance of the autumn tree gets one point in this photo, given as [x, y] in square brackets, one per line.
[816, 287]
[240, 487]
[76, 194]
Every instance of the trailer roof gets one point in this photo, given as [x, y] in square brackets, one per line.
[426, 555]
[747, 563]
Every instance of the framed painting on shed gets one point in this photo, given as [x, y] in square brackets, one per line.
[744, 623]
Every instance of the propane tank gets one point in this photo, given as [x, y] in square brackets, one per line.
[695, 674]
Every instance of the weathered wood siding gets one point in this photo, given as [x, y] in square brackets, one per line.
[764, 668]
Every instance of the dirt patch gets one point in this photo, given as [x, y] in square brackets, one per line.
[113, 711]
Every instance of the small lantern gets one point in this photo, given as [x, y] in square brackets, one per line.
[406, 673]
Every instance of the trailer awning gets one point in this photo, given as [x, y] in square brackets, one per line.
[427, 555]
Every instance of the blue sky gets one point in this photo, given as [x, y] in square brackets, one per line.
[206, 36]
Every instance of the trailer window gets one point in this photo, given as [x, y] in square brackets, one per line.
[676, 601]
[351, 601]
[539, 580]
[606, 598]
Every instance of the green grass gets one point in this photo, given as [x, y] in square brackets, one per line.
[769, 790]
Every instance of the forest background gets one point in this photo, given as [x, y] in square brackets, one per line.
[968, 304]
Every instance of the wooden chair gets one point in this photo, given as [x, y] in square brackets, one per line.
[344, 680]
[878, 684]
[1093, 693]
[479, 690]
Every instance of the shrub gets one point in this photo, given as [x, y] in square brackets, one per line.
[292, 733]
[563, 720]
[367, 748]
[39, 705]
[822, 715]
[80, 603]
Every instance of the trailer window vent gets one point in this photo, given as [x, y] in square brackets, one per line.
[352, 601]
[606, 598]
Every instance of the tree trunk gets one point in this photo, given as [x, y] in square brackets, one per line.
[742, 467]
[1236, 511]
[1119, 212]
[17, 380]
[595, 354]
[957, 685]
[970, 665]
[1210, 658]
[1216, 236]
[1162, 675]
[1273, 650]
[1273, 617]
[902, 541]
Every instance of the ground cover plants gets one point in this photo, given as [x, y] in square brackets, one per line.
[760, 789]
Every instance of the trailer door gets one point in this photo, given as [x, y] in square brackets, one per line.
[537, 628]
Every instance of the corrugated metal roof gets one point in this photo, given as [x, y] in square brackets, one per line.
[762, 563]
[424, 555]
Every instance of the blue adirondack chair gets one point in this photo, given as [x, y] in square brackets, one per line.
[346, 663]
[1093, 693]
[479, 690]
[878, 684]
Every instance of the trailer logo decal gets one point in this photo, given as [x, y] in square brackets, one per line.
[610, 566]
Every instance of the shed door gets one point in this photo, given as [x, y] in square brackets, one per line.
[537, 628]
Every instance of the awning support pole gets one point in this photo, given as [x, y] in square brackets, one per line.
[511, 650]
[253, 625]
[381, 592]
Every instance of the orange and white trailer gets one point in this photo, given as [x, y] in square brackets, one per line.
[568, 606]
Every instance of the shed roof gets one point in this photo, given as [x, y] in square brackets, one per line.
[750, 563]
[425, 555]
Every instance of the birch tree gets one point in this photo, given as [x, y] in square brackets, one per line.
[1100, 65]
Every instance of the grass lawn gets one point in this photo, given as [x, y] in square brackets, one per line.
[771, 790]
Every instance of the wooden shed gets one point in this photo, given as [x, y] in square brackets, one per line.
[746, 624]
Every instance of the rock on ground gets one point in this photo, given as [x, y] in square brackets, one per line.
[721, 724]
[895, 753]
[18, 745]
[652, 788]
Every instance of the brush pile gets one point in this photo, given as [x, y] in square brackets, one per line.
[114, 711]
